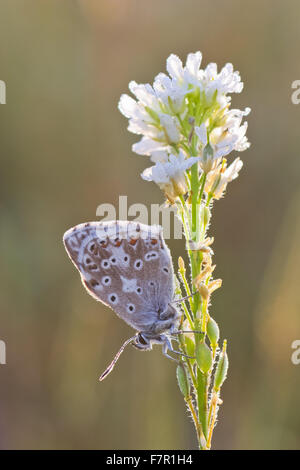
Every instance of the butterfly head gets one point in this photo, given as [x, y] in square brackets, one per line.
[142, 342]
[166, 323]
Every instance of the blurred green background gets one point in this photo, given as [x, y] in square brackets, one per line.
[65, 150]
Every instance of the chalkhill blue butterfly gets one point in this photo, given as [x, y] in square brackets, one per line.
[128, 266]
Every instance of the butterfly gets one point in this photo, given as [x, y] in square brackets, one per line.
[128, 267]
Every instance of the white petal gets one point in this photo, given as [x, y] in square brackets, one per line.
[193, 63]
[169, 124]
[211, 71]
[178, 163]
[156, 173]
[159, 156]
[190, 162]
[201, 132]
[147, 174]
[128, 106]
[232, 171]
[174, 67]
[146, 146]
[144, 94]
[162, 83]
[141, 127]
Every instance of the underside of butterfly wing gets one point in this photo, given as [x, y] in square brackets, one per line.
[127, 266]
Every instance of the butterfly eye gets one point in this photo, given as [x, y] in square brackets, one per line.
[138, 264]
[106, 280]
[142, 339]
[105, 263]
[130, 308]
[113, 298]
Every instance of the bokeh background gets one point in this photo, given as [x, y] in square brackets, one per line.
[65, 150]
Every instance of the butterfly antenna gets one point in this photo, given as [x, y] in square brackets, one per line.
[109, 369]
[184, 298]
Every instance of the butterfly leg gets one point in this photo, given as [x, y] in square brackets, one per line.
[167, 346]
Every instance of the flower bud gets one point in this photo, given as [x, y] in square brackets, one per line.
[213, 332]
[203, 291]
[190, 345]
[207, 159]
[183, 381]
[198, 246]
[181, 264]
[214, 285]
[207, 271]
[203, 357]
[206, 215]
[222, 368]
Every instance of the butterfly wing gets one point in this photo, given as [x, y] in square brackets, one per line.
[125, 265]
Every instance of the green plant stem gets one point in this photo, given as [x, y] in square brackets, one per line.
[195, 255]
[202, 397]
[195, 190]
[188, 316]
[195, 226]
[188, 400]
[189, 403]
[202, 182]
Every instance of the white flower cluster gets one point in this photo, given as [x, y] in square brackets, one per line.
[185, 117]
[169, 173]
